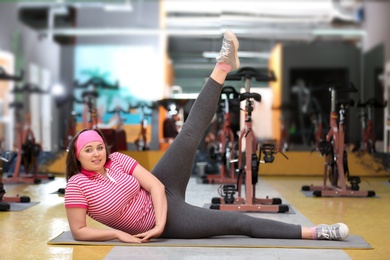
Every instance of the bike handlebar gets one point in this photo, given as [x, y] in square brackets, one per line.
[29, 88]
[5, 76]
[372, 102]
[96, 81]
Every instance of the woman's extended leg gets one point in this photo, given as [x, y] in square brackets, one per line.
[175, 167]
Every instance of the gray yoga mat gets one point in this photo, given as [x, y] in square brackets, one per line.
[19, 206]
[352, 242]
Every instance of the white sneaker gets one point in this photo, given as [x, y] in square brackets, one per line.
[228, 54]
[338, 231]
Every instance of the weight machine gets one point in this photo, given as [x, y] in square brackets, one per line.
[336, 160]
[248, 168]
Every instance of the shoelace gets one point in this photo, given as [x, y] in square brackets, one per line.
[328, 232]
[224, 50]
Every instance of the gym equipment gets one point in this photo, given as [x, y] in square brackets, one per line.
[316, 119]
[141, 142]
[4, 200]
[285, 108]
[27, 150]
[4, 206]
[336, 161]
[90, 98]
[368, 135]
[71, 131]
[116, 138]
[118, 135]
[248, 168]
[172, 106]
[5, 76]
[226, 146]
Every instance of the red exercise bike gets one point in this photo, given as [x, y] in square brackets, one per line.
[333, 148]
[248, 161]
[367, 121]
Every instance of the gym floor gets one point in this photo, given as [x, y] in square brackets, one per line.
[24, 234]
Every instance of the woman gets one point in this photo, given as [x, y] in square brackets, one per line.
[138, 205]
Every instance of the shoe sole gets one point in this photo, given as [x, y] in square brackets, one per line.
[233, 38]
[345, 230]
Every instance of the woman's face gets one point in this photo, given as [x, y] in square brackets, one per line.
[93, 156]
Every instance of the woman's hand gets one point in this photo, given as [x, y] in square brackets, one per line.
[153, 233]
[127, 238]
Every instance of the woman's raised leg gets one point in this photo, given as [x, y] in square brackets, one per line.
[175, 167]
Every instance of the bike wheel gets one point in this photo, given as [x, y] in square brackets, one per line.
[332, 171]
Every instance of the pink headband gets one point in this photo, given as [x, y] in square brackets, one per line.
[85, 138]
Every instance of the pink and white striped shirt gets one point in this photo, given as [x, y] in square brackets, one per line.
[118, 201]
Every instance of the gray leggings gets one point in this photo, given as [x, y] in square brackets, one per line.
[174, 170]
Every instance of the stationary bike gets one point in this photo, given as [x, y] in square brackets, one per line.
[90, 98]
[248, 168]
[336, 160]
[5, 200]
[4, 205]
[27, 150]
[141, 141]
[367, 121]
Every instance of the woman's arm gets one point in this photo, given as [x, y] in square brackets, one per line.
[80, 231]
[157, 190]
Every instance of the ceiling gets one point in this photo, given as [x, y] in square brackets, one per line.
[195, 28]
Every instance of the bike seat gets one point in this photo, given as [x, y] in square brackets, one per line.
[92, 93]
[346, 102]
[28, 88]
[246, 95]
[249, 73]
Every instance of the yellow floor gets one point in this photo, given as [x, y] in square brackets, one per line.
[24, 235]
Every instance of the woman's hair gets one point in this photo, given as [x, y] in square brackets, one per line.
[73, 165]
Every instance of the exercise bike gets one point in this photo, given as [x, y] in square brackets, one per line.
[283, 144]
[248, 167]
[368, 135]
[90, 99]
[27, 150]
[226, 145]
[5, 200]
[141, 141]
[336, 160]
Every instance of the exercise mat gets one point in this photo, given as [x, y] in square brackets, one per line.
[19, 206]
[352, 242]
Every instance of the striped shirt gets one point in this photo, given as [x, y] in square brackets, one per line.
[118, 201]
